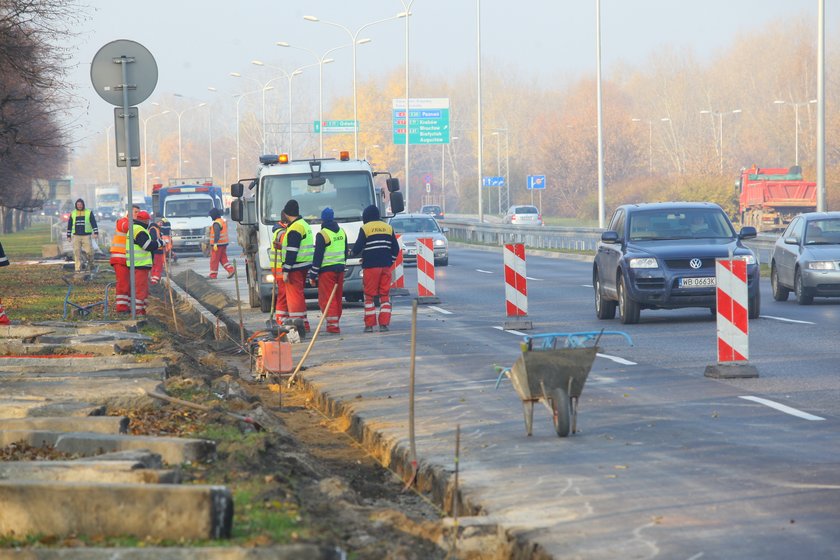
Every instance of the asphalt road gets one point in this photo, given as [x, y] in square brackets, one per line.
[667, 463]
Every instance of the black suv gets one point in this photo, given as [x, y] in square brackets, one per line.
[662, 256]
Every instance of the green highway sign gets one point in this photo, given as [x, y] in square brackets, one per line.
[333, 126]
[427, 121]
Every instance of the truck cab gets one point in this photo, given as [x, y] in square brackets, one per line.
[347, 186]
[187, 208]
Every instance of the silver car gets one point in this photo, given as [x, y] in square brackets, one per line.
[523, 215]
[411, 227]
[806, 258]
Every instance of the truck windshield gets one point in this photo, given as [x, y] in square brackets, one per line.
[347, 193]
[109, 198]
[192, 208]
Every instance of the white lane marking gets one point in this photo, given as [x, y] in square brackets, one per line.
[483, 271]
[534, 279]
[587, 285]
[617, 360]
[786, 320]
[439, 310]
[511, 331]
[782, 408]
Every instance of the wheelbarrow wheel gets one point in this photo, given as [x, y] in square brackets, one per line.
[561, 412]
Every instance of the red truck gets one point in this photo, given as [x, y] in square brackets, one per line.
[771, 196]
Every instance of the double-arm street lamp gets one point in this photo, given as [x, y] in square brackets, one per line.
[720, 115]
[354, 40]
[145, 150]
[322, 59]
[180, 114]
[796, 106]
[264, 87]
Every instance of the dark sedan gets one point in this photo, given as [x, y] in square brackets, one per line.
[806, 258]
[662, 256]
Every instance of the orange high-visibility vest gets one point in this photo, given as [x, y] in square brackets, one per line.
[223, 235]
[118, 242]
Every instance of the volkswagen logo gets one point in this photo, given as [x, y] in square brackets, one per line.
[695, 263]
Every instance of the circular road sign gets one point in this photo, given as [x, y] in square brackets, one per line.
[141, 72]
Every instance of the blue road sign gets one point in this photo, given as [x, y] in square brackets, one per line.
[536, 182]
[493, 181]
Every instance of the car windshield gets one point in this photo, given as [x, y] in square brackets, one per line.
[187, 208]
[415, 225]
[347, 193]
[823, 232]
[691, 223]
[431, 209]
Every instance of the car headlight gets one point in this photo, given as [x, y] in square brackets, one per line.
[268, 278]
[821, 265]
[644, 262]
[749, 259]
[440, 243]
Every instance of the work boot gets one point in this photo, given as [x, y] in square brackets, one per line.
[368, 329]
[333, 330]
[211, 277]
[231, 273]
[383, 328]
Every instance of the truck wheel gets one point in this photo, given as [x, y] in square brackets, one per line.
[265, 304]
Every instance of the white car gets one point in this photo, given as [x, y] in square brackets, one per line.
[411, 227]
[523, 215]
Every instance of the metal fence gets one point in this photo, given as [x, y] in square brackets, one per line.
[555, 237]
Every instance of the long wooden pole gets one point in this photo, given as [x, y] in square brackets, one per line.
[314, 337]
[413, 447]
[239, 304]
[171, 296]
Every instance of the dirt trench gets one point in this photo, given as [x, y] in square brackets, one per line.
[345, 497]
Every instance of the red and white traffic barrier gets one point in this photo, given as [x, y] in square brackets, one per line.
[516, 286]
[398, 272]
[425, 267]
[733, 326]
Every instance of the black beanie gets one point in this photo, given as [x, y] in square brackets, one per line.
[292, 208]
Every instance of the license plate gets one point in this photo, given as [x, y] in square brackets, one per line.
[697, 282]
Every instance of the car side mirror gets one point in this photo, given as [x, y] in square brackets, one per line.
[609, 237]
[791, 241]
[237, 189]
[747, 232]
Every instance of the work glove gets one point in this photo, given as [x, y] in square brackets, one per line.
[215, 247]
[312, 278]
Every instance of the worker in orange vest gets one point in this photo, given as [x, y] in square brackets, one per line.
[219, 244]
[144, 245]
[118, 248]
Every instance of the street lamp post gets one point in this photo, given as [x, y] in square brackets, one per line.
[289, 76]
[263, 87]
[650, 144]
[796, 105]
[498, 136]
[145, 151]
[443, 175]
[406, 14]
[719, 115]
[180, 114]
[321, 61]
[240, 96]
[354, 41]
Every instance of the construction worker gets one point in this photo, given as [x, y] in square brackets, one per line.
[378, 246]
[219, 244]
[275, 257]
[328, 268]
[157, 254]
[80, 226]
[143, 247]
[4, 261]
[118, 248]
[297, 252]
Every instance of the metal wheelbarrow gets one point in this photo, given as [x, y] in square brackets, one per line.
[553, 368]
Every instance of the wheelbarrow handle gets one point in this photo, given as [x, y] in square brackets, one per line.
[502, 372]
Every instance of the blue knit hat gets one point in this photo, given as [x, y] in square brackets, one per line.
[327, 214]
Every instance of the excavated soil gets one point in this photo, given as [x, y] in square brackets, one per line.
[345, 497]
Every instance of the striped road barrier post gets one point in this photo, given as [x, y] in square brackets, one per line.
[733, 326]
[426, 271]
[516, 288]
[398, 273]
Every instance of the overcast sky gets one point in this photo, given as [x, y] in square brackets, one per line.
[197, 43]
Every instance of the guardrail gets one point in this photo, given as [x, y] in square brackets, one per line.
[556, 237]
